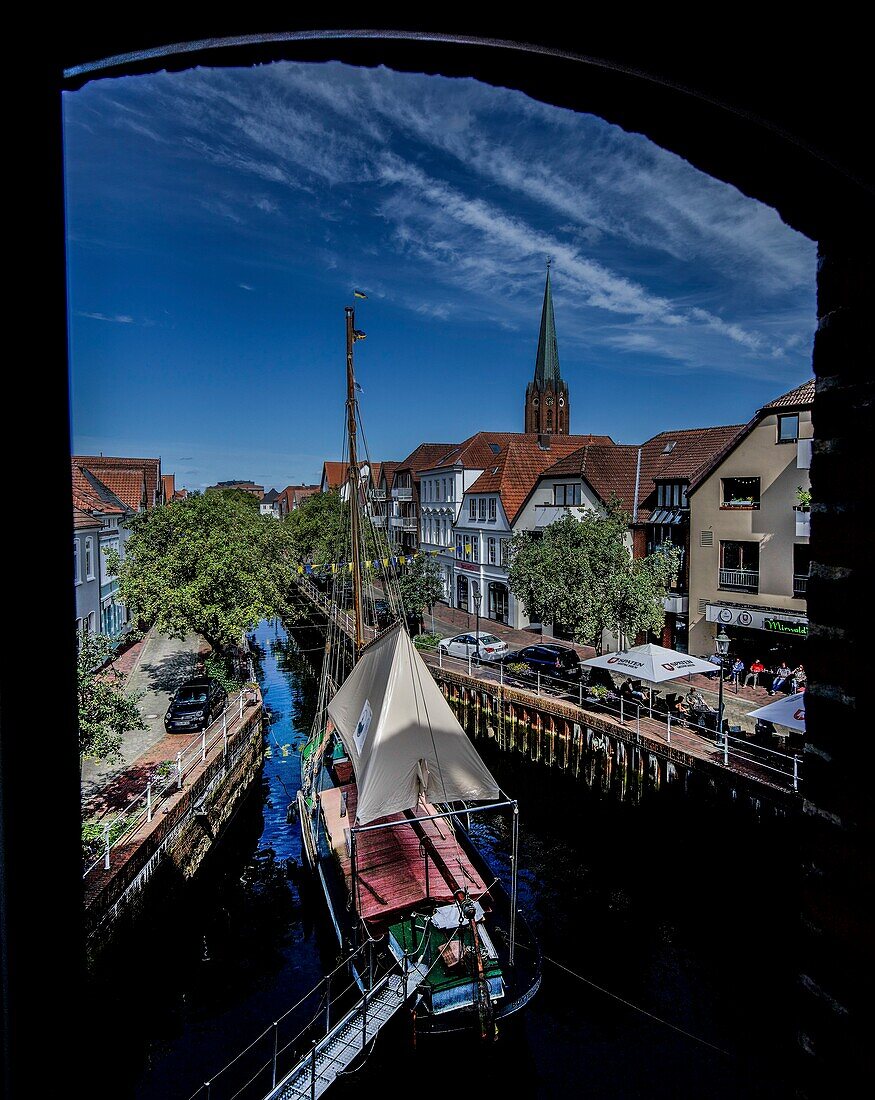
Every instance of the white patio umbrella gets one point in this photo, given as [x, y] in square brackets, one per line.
[653, 663]
[789, 712]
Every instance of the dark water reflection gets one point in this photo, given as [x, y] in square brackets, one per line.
[686, 911]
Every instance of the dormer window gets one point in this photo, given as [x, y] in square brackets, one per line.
[567, 495]
[671, 494]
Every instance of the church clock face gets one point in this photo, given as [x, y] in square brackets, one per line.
[535, 403]
[561, 402]
[549, 402]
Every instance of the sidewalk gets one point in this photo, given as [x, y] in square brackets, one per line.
[736, 704]
[452, 620]
[156, 665]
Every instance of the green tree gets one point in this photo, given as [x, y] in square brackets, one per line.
[579, 573]
[105, 711]
[211, 564]
[420, 584]
[317, 529]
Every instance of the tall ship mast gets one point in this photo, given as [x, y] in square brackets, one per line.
[389, 780]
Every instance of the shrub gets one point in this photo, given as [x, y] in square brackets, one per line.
[428, 640]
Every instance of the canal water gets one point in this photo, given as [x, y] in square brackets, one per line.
[667, 929]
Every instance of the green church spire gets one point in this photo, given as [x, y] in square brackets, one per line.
[547, 362]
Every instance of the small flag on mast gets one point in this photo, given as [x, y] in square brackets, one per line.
[359, 294]
[357, 334]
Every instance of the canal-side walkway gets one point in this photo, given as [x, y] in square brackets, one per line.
[737, 703]
[156, 665]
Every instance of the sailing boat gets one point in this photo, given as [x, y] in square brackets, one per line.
[389, 781]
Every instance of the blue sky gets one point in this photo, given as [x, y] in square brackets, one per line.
[219, 219]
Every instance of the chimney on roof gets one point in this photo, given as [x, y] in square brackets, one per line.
[544, 441]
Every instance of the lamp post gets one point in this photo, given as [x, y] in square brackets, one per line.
[722, 644]
[477, 598]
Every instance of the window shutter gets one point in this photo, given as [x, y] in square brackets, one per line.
[706, 538]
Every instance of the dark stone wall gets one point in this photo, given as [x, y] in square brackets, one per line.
[837, 943]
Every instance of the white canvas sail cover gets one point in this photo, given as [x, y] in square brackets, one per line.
[401, 736]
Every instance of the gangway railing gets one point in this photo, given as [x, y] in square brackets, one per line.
[342, 1016]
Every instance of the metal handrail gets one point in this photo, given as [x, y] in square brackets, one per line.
[195, 752]
[626, 713]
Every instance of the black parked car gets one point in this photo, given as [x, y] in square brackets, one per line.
[555, 662]
[194, 705]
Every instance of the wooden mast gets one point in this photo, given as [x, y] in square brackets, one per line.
[353, 480]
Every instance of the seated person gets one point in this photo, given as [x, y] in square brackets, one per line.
[798, 679]
[717, 660]
[782, 675]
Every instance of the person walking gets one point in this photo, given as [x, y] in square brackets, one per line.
[735, 672]
[753, 673]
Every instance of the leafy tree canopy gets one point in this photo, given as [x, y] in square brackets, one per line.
[579, 572]
[319, 531]
[211, 564]
[105, 711]
[420, 584]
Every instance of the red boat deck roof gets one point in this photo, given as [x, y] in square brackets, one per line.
[390, 866]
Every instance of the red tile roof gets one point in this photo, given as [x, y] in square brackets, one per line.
[129, 485]
[802, 395]
[514, 470]
[387, 473]
[333, 475]
[91, 495]
[83, 519]
[424, 457]
[151, 468]
[478, 451]
[612, 470]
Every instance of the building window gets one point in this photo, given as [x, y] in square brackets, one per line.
[801, 566]
[460, 547]
[490, 549]
[77, 574]
[475, 548]
[444, 483]
[505, 545]
[472, 508]
[482, 508]
[493, 508]
[740, 492]
[788, 428]
[739, 566]
[89, 559]
[566, 495]
[671, 494]
[92, 622]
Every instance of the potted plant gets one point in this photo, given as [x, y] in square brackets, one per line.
[803, 511]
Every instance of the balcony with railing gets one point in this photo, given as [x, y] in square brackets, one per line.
[800, 584]
[378, 520]
[403, 492]
[739, 580]
[405, 523]
[378, 494]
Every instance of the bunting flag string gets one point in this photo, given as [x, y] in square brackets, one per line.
[376, 564]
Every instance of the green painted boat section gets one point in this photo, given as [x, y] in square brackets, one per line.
[409, 933]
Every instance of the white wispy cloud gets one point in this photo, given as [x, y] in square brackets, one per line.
[117, 318]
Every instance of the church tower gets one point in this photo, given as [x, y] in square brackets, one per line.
[547, 408]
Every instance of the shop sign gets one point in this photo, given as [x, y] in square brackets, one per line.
[779, 626]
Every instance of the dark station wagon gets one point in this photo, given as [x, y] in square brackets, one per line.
[555, 662]
[194, 705]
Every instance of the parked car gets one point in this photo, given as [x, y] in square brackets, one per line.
[556, 662]
[380, 615]
[485, 646]
[194, 705]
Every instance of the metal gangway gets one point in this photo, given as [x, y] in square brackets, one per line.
[332, 1055]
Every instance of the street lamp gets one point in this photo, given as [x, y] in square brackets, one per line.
[722, 644]
[478, 596]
